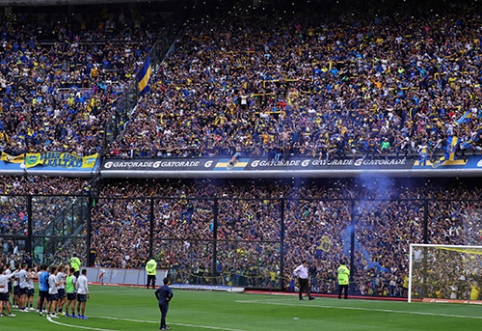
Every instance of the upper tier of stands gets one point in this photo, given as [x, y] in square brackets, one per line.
[315, 84]
[252, 81]
[62, 78]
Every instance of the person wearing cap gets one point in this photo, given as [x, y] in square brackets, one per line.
[343, 279]
[301, 272]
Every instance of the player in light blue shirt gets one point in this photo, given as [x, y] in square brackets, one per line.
[43, 279]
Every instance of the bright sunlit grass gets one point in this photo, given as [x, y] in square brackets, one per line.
[124, 308]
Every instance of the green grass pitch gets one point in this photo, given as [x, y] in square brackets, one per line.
[125, 308]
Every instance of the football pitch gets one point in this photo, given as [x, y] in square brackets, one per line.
[125, 308]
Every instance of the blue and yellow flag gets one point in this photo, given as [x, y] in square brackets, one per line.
[143, 76]
[12, 158]
[451, 148]
[89, 161]
[465, 117]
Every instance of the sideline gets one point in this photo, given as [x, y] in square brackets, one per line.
[138, 321]
[76, 326]
[357, 308]
[170, 323]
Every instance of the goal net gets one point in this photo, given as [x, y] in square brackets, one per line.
[445, 273]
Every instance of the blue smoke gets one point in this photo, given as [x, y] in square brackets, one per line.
[371, 188]
[346, 239]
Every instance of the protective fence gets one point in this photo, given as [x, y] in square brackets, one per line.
[125, 277]
[252, 243]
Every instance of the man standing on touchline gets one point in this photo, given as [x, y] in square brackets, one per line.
[301, 272]
[164, 296]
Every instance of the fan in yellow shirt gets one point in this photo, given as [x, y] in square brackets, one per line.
[474, 291]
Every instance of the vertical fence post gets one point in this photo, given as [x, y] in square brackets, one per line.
[282, 241]
[425, 241]
[90, 203]
[28, 240]
[151, 227]
[215, 238]
[425, 222]
[352, 245]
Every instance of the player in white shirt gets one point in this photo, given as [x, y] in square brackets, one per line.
[53, 293]
[31, 288]
[7, 273]
[82, 289]
[16, 288]
[23, 278]
[4, 291]
[61, 276]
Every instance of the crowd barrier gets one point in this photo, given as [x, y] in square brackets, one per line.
[132, 277]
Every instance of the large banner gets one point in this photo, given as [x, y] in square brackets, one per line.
[62, 160]
[250, 164]
[342, 164]
[61, 164]
[252, 167]
[174, 164]
[49, 163]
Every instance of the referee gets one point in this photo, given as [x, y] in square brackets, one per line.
[301, 272]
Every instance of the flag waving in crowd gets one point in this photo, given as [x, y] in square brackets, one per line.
[143, 77]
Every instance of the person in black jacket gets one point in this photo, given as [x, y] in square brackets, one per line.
[164, 295]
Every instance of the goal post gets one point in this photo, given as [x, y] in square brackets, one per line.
[445, 273]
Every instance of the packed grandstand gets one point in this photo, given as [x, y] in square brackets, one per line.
[242, 79]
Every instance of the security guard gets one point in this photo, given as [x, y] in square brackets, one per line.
[343, 279]
[75, 263]
[151, 270]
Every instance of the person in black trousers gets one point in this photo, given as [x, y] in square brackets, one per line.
[164, 295]
[343, 279]
[301, 272]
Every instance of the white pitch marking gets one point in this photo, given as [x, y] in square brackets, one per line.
[358, 308]
[206, 327]
[76, 326]
[180, 324]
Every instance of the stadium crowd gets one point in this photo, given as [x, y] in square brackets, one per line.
[367, 84]
[255, 85]
[318, 214]
[319, 217]
[62, 79]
